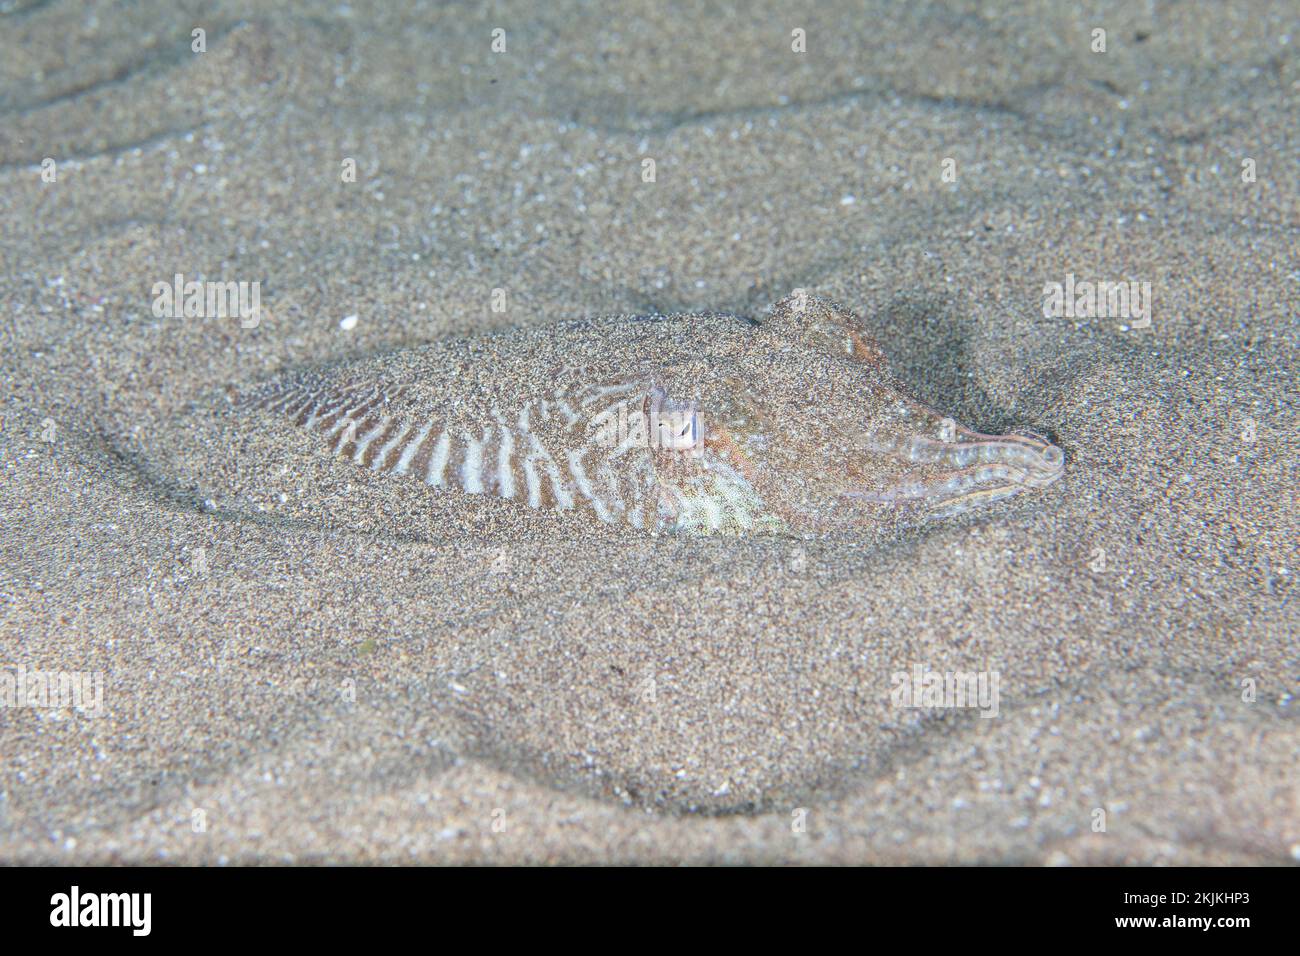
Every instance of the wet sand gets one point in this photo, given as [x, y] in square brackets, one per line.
[393, 674]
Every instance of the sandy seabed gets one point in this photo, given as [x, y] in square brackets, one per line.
[397, 675]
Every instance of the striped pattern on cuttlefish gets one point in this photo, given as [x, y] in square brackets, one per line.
[700, 423]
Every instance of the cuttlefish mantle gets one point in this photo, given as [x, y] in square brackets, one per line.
[695, 423]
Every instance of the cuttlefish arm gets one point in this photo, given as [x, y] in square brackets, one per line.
[916, 473]
[961, 469]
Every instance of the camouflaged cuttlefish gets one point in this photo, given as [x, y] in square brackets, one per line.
[695, 423]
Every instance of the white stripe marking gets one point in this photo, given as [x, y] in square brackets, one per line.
[408, 453]
[534, 486]
[327, 409]
[349, 418]
[438, 461]
[367, 438]
[471, 471]
[603, 391]
[563, 498]
[570, 416]
[347, 431]
[505, 468]
[280, 402]
[584, 485]
[388, 446]
[300, 404]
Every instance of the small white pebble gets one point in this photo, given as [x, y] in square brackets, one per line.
[349, 323]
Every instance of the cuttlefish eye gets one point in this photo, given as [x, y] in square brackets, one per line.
[678, 428]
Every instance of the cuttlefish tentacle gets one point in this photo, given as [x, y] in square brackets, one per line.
[985, 468]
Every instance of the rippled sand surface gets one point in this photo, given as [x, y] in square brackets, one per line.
[390, 674]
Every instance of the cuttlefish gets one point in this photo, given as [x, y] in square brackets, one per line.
[694, 423]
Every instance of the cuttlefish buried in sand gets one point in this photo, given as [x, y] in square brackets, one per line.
[697, 423]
